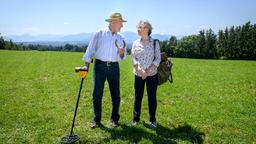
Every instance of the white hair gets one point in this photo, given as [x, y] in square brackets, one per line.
[146, 24]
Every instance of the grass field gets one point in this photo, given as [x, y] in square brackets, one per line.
[210, 101]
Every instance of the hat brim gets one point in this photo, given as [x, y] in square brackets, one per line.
[110, 20]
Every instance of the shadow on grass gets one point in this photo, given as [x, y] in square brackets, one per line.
[160, 135]
[182, 132]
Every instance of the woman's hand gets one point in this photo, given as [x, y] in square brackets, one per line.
[151, 68]
[144, 74]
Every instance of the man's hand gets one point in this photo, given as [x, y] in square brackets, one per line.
[86, 66]
[121, 52]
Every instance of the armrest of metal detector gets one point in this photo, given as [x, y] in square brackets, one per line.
[77, 69]
[82, 71]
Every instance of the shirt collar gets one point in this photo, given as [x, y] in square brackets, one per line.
[149, 37]
[109, 31]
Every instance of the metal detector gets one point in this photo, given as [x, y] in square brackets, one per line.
[73, 138]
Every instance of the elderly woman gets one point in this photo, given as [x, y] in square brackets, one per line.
[145, 60]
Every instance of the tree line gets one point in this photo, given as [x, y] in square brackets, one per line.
[235, 42]
[10, 45]
[232, 43]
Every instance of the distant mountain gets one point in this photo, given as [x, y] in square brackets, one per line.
[74, 38]
[131, 36]
[86, 37]
[50, 38]
[31, 38]
[54, 43]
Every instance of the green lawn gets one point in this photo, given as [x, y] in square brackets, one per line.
[210, 101]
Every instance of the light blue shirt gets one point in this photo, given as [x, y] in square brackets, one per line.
[102, 47]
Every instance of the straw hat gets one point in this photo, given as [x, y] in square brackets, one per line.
[115, 17]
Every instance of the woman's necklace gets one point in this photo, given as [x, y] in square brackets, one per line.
[145, 42]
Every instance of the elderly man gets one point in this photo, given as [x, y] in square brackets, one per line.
[108, 47]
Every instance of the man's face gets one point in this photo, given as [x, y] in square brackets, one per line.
[116, 26]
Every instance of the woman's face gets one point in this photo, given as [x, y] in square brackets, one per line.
[143, 30]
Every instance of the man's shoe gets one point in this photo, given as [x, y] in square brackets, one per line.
[153, 124]
[113, 124]
[95, 125]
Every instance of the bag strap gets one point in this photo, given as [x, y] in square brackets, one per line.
[170, 79]
[154, 45]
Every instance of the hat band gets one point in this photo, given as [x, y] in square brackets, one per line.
[115, 19]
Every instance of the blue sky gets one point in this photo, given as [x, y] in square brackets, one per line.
[175, 17]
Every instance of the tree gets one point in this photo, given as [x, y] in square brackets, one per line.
[221, 44]
[201, 44]
[164, 46]
[172, 45]
[187, 47]
[2, 42]
[68, 47]
[210, 45]
[231, 42]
